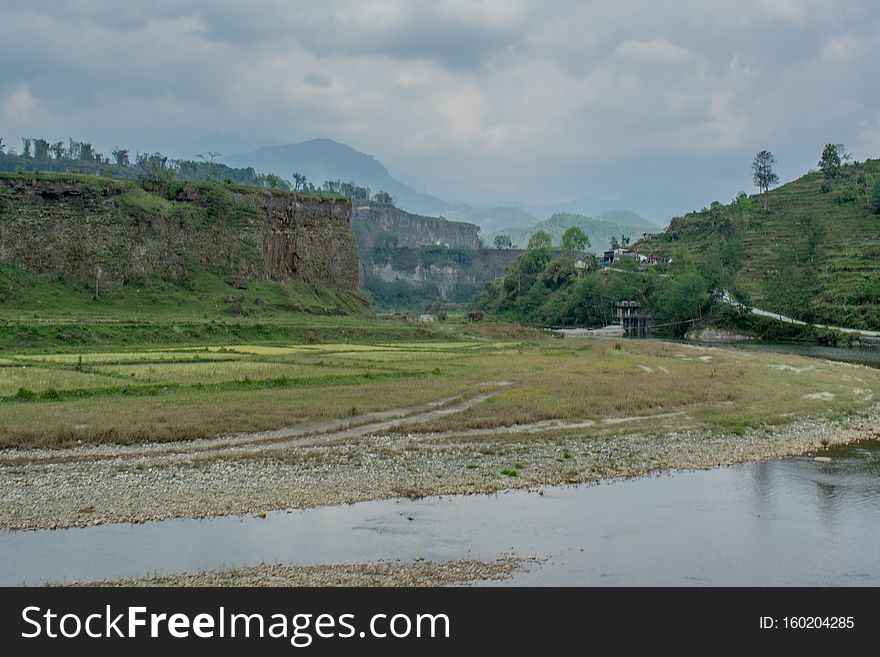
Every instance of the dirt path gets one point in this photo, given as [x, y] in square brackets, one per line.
[301, 435]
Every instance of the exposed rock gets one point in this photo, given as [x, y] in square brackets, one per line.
[112, 229]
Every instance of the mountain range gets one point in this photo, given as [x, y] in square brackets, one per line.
[326, 159]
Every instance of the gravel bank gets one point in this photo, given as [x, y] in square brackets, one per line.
[418, 573]
[129, 485]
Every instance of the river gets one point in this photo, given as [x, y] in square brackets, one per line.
[793, 521]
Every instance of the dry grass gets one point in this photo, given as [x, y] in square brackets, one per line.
[550, 380]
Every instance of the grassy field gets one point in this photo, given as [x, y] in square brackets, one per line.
[188, 392]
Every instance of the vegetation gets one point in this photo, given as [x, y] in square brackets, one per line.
[79, 157]
[38, 154]
[762, 173]
[599, 231]
[833, 157]
[502, 242]
[546, 290]
[810, 251]
[180, 393]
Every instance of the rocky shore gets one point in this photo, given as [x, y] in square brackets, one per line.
[383, 573]
[79, 487]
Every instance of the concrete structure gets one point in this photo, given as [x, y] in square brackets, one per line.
[632, 320]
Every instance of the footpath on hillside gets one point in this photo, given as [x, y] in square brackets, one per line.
[728, 299]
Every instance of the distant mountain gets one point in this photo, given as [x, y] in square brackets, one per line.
[325, 159]
[589, 206]
[599, 229]
[492, 219]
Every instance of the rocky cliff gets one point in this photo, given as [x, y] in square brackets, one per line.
[378, 225]
[416, 262]
[441, 275]
[115, 231]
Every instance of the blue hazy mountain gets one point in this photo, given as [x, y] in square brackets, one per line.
[325, 159]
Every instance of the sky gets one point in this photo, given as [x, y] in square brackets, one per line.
[541, 102]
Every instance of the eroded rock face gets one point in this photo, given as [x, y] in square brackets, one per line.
[382, 225]
[87, 227]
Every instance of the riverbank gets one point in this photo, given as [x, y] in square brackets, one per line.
[394, 574]
[368, 422]
[81, 493]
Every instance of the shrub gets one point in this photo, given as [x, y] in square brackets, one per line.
[25, 394]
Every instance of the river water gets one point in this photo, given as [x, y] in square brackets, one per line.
[792, 521]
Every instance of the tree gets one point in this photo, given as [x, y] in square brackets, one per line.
[209, 157]
[384, 198]
[120, 155]
[26, 146]
[73, 148]
[299, 181]
[86, 152]
[614, 243]
[41, 149]
[157, 175]
[2, 146]
[574, 240]
[875, 197]
[502, 242]
[541, 240]
[58, 150]
[624, 240]
[743, 203]
[763, 174]
[273, 180]
[833, 157]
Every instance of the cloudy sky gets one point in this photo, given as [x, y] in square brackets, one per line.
[499, 99]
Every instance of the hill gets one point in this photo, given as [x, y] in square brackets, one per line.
[813, 253]
[325, 159]
[492, 219]
[599, 229]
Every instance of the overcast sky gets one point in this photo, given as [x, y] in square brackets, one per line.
[501, 99]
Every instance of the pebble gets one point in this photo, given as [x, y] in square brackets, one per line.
[132, 485]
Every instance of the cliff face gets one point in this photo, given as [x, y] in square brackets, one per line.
[449, 276]
[113, 230]
[412, 261]
[383, 225]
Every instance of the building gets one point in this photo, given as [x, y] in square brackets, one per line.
[632, 320]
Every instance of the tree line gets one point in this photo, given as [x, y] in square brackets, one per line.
[72, 156]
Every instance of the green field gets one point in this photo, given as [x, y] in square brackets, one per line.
[188, 392]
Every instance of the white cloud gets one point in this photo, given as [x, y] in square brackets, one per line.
[477, 99]
[841, 49]
[20, 104]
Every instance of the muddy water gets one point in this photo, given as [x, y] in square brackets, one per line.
[792, 521]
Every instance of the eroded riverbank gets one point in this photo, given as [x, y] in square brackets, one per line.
[128, 486]
[800, 521]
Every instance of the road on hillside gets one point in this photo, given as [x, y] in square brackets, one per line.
[728, 299]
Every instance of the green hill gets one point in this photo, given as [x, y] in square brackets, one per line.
[599, 229]
[813, 253]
